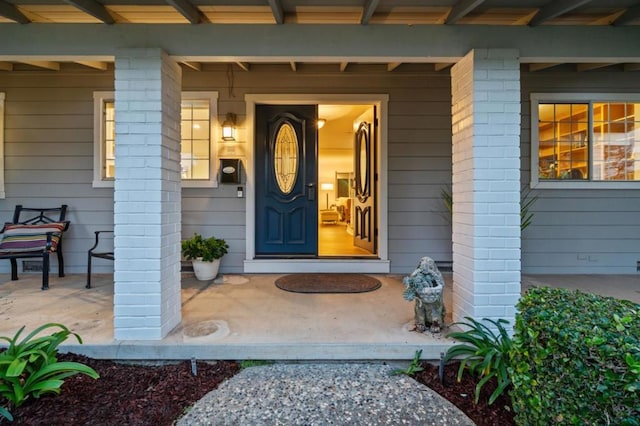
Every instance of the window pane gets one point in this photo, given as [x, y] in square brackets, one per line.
[617, 142]
[196, 131]
[563, 145]
[109, 142]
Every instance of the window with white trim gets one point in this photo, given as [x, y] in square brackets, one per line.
[585, 140]
[199, 112]
[2, 193]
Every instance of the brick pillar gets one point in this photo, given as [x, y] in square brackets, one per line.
[147, 195]
[486, 184]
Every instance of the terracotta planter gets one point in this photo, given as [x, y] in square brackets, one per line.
[205, 271]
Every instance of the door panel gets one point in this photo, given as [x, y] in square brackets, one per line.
[365, 235]
[286, 158]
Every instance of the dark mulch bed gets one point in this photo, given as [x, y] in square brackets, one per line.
[158, 395]
[462, 394]
[124, 394]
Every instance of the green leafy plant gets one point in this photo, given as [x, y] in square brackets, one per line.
[575, 359]
[414, 366]
[208, 249]
[526, 202]
[484, 352]
[30, 368]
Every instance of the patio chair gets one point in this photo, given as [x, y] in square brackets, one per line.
[97, 251]
[37, 236]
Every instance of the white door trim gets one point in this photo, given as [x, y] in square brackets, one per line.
[380, 265]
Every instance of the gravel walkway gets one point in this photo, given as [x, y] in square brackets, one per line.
[323, 394]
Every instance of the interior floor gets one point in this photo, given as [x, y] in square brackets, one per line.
[334, 240]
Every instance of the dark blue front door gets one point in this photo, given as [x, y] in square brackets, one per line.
[286, 175]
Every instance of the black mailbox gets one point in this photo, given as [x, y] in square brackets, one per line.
[230, 170]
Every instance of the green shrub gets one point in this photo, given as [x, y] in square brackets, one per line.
[413, 368]
[30, 368]
[484, 352]
[208, 249]
[575, 359]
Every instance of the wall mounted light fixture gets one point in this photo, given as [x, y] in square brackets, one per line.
[321, 122]
[229, 128]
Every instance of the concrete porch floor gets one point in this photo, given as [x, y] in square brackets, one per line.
[248, 317]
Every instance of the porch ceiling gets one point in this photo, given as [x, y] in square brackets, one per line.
[449, 13]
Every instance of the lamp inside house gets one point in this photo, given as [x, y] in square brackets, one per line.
[229, 128]
[327, 187]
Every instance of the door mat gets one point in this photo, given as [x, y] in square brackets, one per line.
[327, 283]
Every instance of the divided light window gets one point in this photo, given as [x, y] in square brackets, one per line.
[585, 140]
[198, 115]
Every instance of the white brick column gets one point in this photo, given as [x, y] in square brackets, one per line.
[147, 195]
[486, 184]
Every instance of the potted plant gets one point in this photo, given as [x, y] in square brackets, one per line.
[204, 254]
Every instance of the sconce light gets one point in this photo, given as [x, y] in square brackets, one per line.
[321, 122]
[229, 128]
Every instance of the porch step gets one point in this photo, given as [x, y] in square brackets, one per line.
[285, 352]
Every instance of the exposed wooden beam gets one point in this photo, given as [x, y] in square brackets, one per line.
[589, 67]
[245, 66]
[10, 11]
[343, 66]
[294, 66]
[6, 66]
[540, 67]
[442, 66]
[629, 15]
[54, 66]
[393, 65]
[632, 67]
[277, 11]
[607, 19]
[93, 8]
[555, 8]
[462, 9]
[196, 66]
[368, 10]
[102, 66]
[187, 9]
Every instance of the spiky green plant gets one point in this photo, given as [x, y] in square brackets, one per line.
[484, 353]
[413, 368]
[30, 367]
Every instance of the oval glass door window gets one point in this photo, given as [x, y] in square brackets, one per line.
[362, 147]
[285, 157]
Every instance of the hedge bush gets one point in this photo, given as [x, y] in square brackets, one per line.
[575, 359]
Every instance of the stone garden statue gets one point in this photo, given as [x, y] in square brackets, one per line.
[425, 285]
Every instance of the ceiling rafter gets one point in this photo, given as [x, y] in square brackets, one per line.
[196, 66]
[343, 66]
[368, 10]
[6, 66]
[294, 66]
[442, 66]
[98, 65]
[244, 65]
[462, 9]
[629, 15]
[10, 11]
[93, 8]
[555, 8]
[49, 65]
[589, 67]
[542, 66]
[393, 65]
[632, 67]
[187, 9]
[277, 11]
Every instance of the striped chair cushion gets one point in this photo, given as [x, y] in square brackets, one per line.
[19, 238]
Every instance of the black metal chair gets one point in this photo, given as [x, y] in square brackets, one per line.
[37, 236]
[95, 251]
